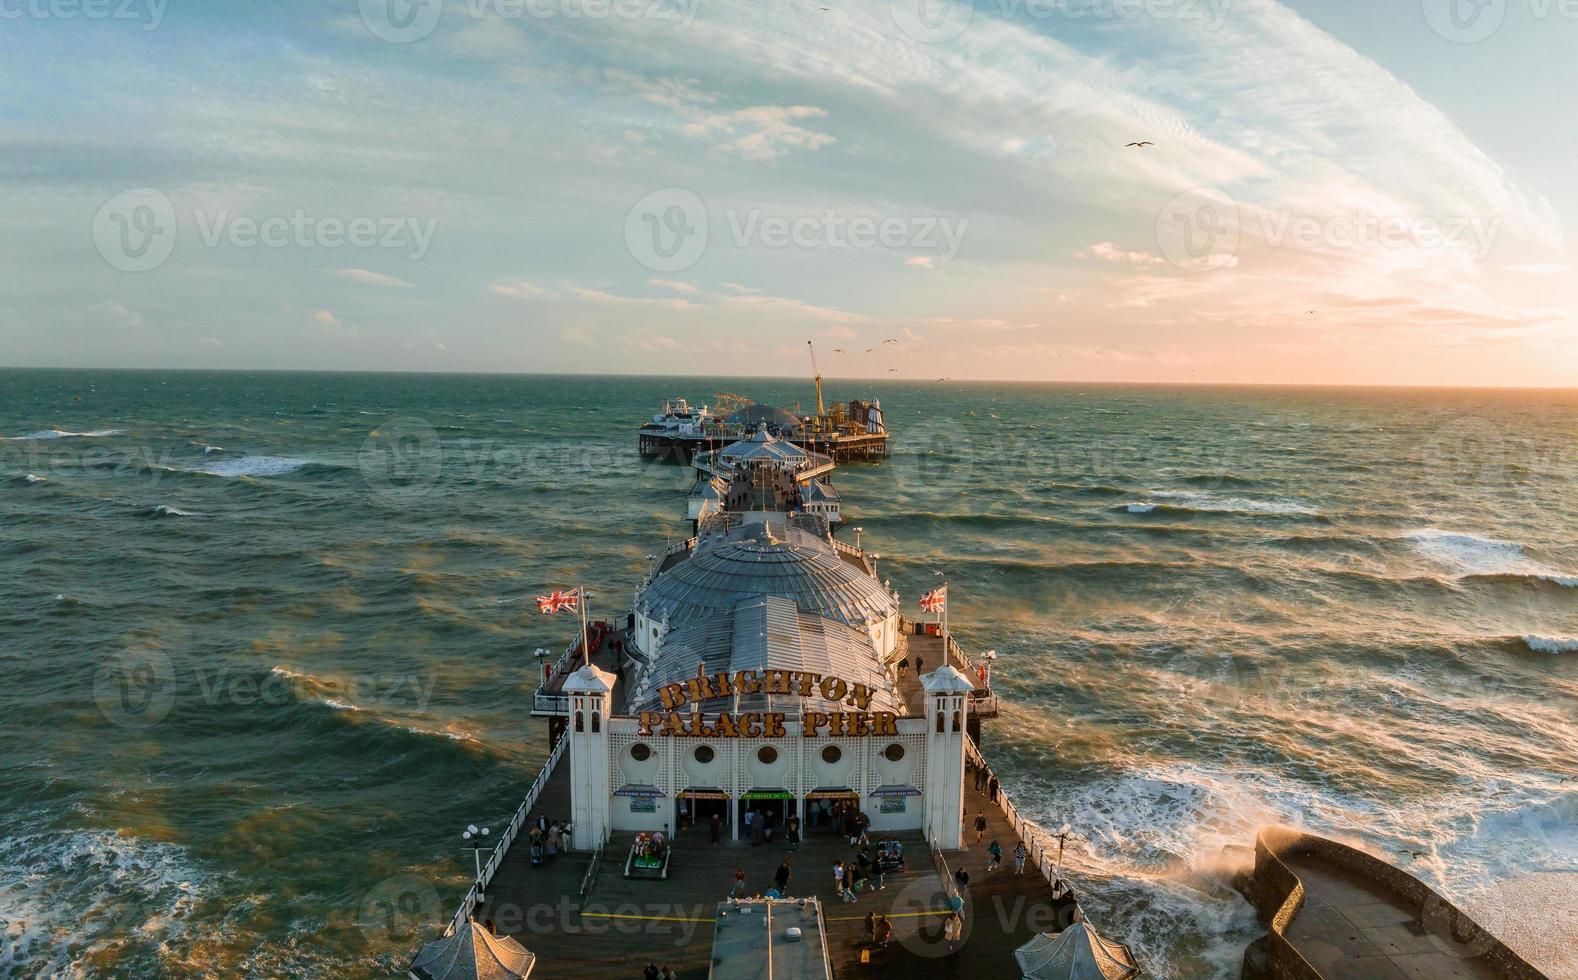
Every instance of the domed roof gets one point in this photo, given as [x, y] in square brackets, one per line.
[755, 560]
[753, 415]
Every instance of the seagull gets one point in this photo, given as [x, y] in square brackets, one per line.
[838, 350]
[870, 349]
[1140, 145]
[893, 370]
[944, 379]
[890, 341]
[1415, 855]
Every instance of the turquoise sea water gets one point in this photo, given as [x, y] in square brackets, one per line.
[266, 646]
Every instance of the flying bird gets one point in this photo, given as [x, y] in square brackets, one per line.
[838, 350]
[890, 340]
[870, 349]
[893, 370]
[1140, 145]
[944, 379]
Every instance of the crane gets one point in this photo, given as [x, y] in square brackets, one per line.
[820, 410]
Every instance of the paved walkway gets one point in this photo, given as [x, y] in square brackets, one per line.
[1350, 928]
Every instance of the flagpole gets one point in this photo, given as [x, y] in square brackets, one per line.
[586, 650]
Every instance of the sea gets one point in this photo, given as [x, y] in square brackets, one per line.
[267, 643]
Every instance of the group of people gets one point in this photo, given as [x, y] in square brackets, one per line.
[655, 972]
[759, 827]
[547, 838]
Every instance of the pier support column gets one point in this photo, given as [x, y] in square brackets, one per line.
[947, 711]
[591, 699]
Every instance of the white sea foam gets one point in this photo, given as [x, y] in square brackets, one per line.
[1207, 504]
[1473, 554]
[94, 888]
[164, 510]
[34, 478]
[254, 466]
[63, 434]
[1551, 644]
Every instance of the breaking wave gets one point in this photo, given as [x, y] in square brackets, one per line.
[1473, 556]
[44, 434]
[1196, 503]
[254, 466]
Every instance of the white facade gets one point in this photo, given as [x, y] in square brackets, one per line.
[947, 714]
[643, 765]
[590, 691]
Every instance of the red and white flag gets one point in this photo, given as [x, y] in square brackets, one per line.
[936, 600]
[558, 601]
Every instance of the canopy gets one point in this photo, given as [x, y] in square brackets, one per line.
[473, 953]
[1076, 953]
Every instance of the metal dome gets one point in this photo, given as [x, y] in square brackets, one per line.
[777, 419]
[755, 560]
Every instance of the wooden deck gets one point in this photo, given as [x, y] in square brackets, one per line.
[624, 924]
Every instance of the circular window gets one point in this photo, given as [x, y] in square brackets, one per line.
[704, 754]
[832, 754]
[767, 756]
[641, 752]
[894, 752]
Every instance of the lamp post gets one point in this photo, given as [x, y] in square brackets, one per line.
[990, 657]
[858, 532]
[475, 838]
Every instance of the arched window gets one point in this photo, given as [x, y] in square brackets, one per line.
[956, 721]
[942, 721]
[597, 721]
[580, 722]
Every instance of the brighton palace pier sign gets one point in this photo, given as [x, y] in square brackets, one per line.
[757, 724]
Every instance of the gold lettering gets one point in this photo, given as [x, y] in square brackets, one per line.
[726, 726]
[773, 724]
[836, 723]
[649, 719]
[811, 722]
[751, 724]
[672, 696]
[884, 724]
[700, 689]
[721, 684]
[860, 696]
[673, 724]
[833, 689]
[748, 682]
[805, 679]
[862, 723]
[777, 682]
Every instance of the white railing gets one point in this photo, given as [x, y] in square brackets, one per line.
[1043, 847]
[518, 821]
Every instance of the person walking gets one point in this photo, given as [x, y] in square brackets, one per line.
[1020, 853]
[716, 826]
[739, 882]
[781, 878]
[794, 835]
[750, 823]
[767, 828]
[991, 789]
[961, 878]
[952, 927]
[996, 851]
[848, 883]
[651, 972]
[980, 825]
[884, 931]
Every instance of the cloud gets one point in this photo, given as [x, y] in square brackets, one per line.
[115, 315]
[920, 262]
[369, 278]
[678, 287]
[518, 289]
[760, 132]
[1110, 252]
[324, 318]
[658, 343]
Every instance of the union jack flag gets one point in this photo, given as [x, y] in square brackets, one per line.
[558, 601]
[936, 600]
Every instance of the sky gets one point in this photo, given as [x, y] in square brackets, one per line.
[1333, 192]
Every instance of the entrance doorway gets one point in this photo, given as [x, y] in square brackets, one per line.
[697, 807]
[773, 808]
[825, 809]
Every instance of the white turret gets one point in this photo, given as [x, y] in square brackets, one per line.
[947, 710]
[591, 693]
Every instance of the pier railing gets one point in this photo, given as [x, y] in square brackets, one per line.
[479, 887]
[1043, 847]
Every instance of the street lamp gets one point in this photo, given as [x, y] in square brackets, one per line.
[989, 656]
[858, 532]
[475, 838]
